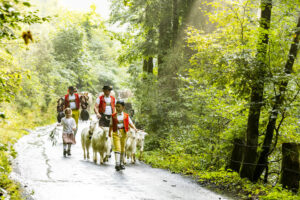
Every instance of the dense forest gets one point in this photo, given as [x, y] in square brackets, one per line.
[216, 83]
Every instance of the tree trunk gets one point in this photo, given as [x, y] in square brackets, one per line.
[148, 65]
[263, 159]
[164, 33]
[145, 65]
[149, 50]
[256, 101]
[290, 175]
[236, 155]
[175, 23]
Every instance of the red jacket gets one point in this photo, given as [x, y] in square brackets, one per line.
[125, 121]
[102, 104]
[67, 102]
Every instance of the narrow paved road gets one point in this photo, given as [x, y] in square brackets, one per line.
[42, 167]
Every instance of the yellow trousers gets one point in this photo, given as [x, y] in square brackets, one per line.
[119, 141]
[75, 115]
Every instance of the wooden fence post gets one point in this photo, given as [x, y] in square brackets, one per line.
[290, 167]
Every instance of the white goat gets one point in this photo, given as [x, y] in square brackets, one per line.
[101, 144]
[140, 138]
[86, 136]
[111, 140]
[130, 146]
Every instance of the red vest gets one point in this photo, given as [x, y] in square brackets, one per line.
[67, 102]
[102, 104]
[125, 121]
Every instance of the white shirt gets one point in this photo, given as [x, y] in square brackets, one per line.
[68, 125]
[120, 117]
[108, 109]
[72, 104]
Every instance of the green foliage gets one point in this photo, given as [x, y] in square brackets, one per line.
[10, 77]
[13, 14]
[216, 179]
[8, 136]
[198, 105]
[12, 188]
[193, 104]
[224, 62]
[72, 49]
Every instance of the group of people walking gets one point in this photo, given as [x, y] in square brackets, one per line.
[110, 114]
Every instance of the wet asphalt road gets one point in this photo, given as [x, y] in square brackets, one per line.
[49, 176]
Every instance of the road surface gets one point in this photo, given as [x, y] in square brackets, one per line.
[47, 175]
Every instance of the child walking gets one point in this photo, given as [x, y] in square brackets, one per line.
[120, 124]
[69, 126]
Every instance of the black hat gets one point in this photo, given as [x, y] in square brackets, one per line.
[121, 101]
[107, 87]
[71, 88]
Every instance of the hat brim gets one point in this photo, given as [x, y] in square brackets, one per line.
[106, 88]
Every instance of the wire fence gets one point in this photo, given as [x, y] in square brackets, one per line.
[231, 141]
[253, 146]
[265, 165]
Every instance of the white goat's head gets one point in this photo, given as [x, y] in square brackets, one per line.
[103, 133]
[93, 124]
[106, 134]
[131, 133]
[141, 134]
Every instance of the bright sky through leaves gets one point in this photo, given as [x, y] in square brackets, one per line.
[102, 6]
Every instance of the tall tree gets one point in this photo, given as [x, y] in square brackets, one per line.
[150, 47]
[257, 92]
[165, 27]
[175, 22]
[279, 99]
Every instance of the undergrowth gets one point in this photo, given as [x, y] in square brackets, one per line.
[221, 180]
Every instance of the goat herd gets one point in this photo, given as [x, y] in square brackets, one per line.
[101, 143]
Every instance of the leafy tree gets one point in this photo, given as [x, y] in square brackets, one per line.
[257, 91]
[232, 57]
[13, 14]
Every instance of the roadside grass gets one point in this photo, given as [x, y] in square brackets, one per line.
[8, 136]
[11, 130]
[223, 181]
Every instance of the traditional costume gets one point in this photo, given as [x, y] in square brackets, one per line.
[106, 107]
[120, 125]
[73, 102]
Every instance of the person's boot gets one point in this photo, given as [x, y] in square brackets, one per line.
[117, 167]
[65, 153]
[117, 158]
[69, 150]
[122, 166]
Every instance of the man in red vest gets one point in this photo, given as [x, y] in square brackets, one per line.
[105, 106]
[72, 101]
